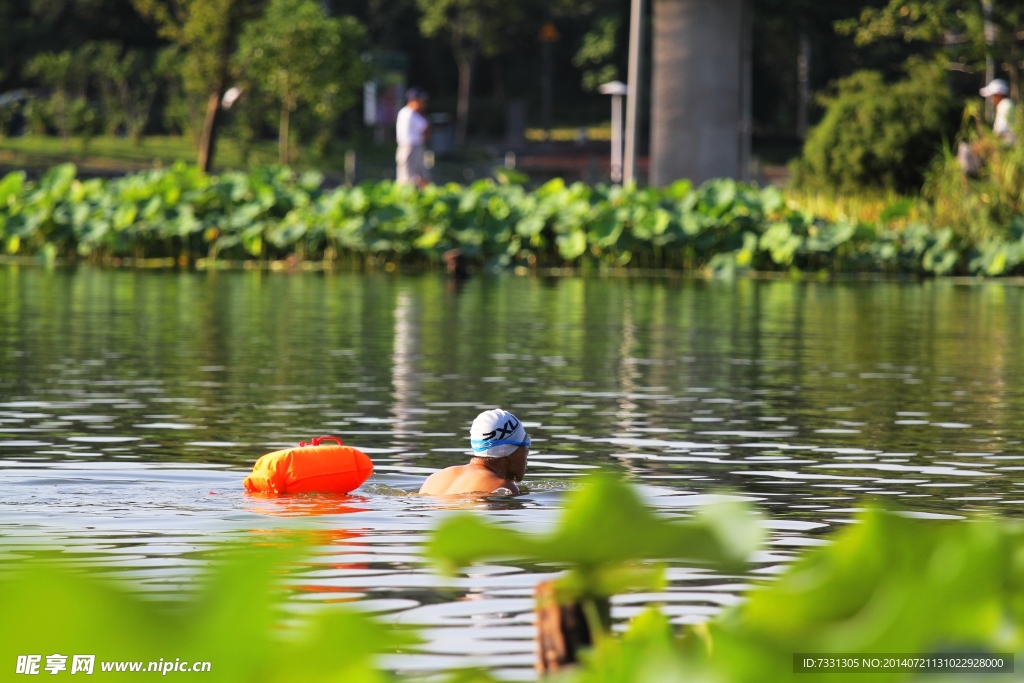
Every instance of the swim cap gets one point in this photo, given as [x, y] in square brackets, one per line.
[497, 434]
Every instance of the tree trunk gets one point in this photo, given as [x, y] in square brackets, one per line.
[462, 110]
[698, 91]
[282, 136]
[208, 139]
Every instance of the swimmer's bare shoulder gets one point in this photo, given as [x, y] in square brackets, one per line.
[438, 482]
[462, 479]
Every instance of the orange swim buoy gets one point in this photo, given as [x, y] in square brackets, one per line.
[311, 468]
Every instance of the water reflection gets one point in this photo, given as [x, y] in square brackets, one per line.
[305, 504]
[131, 405]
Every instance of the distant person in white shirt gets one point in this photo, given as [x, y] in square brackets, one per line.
[999, 93]
[973, 156]
[411, 130]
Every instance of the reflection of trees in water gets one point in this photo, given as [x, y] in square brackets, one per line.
[258, 358]
[628, 373]
[405, 381]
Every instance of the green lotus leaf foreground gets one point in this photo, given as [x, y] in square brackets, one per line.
[231, 616]
[887, 583]
[603, 532]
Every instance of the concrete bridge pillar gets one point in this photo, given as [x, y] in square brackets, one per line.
[700, 90]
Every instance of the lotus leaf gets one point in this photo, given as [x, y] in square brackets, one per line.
[604, 525]
[605, 231]
[702, 227]
[829, 237]
[572, 245]
[234, 620]
[11, 188]
[781, 243]
[886, 584]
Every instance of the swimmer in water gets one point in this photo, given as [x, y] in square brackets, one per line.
[500, 448]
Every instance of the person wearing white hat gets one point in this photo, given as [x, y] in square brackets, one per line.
[999, 92]
[500, 449]
[972, 155]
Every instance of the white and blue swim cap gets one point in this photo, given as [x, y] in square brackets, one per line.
[497, 434]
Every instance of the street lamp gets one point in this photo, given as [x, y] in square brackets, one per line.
[636, 37]
[618, 90]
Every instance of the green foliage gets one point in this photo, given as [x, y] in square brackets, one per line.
[7, 113]
[596, 51]
[206, 30]
[723, 227]
[604, 530]
[183, 109]
[884, 584]
[951, 32]
[129, 85]
[233, 619]
[877, 134]
[472, 27]
[927, 21]
[66, 75]
[205, 33]
[297, 55]
[125, 79]
[984, 212]
[648, 652]
[887, 584]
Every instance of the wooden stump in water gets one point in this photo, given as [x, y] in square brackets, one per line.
[562, 630]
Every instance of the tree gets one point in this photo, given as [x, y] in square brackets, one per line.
[208, 31]
[953, 30]
[66, 75]
[474, 27]
[299, 56]
[129, 86]
[390, 24]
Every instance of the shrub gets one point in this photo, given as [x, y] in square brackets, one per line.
[986, 205]
[877, 134]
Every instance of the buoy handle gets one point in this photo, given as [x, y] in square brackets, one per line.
[317, 439]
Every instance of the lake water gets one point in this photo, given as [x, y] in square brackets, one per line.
[133, 404]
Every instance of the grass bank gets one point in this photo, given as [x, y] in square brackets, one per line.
[118, 155]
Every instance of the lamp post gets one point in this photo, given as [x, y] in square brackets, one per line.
[618, 90]
[636, 36]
